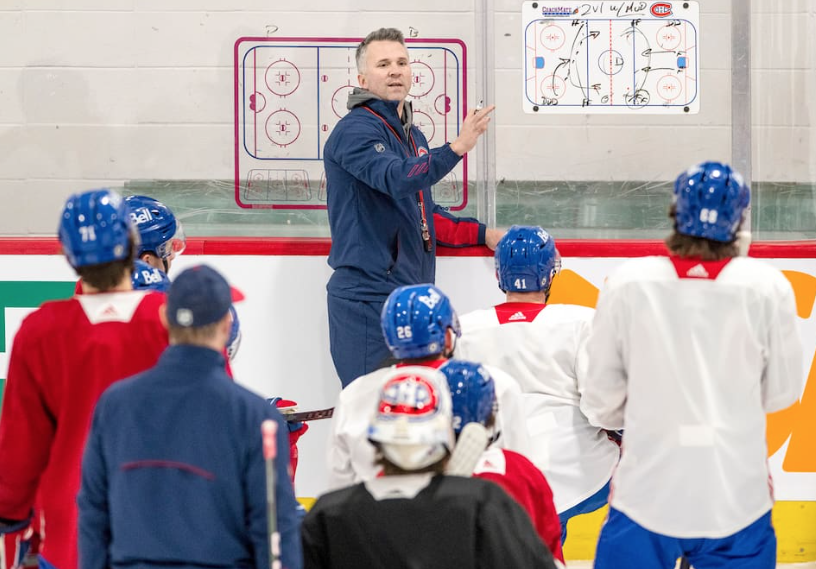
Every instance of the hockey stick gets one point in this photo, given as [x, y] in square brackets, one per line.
[470, 446]
[684, 563]
[269, 429]
[315, 415]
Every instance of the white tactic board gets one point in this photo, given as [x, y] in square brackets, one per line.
[611, 57]
[291, 92]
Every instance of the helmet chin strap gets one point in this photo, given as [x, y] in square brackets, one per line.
[166, 266]
[449, 353]
[743, 242]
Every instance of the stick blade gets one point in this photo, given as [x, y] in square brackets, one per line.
[309, 415]
[470, 446]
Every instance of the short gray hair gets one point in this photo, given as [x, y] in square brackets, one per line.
[383, 34]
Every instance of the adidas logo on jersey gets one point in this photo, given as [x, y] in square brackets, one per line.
[518, 316]
[697, 271]
[109, 312]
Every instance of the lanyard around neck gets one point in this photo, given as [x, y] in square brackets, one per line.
[426, 234]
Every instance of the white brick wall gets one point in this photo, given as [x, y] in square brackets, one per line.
[97, 92]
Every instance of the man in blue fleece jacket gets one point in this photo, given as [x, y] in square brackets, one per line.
[384, 223]
[173, 472]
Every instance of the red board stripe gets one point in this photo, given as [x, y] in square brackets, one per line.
[320, 247]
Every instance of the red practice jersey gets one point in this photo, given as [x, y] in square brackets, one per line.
[64, 356]
[526, 484]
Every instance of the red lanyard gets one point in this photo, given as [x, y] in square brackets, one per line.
[426, 234]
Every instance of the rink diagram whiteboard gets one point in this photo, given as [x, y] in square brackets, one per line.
[291, 92]
[611, 57]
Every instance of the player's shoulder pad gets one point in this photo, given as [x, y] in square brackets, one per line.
[757, 272]
[477, 319]
[569, 311]
[504, 381]
[639, 269]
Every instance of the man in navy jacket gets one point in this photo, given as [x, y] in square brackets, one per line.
[173, 472]
[384, 223]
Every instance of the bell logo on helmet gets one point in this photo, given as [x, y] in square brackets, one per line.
[140, 215]
[152, 277]
[412, 396]
[431, 300]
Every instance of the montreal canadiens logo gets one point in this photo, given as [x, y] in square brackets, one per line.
[409, 395]
[661, 9]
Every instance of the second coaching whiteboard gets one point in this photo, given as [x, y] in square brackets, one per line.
[611, 57]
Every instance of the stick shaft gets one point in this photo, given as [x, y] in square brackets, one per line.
[269, 430]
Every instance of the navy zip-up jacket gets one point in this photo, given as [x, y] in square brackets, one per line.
[173, 472]
[374, 175]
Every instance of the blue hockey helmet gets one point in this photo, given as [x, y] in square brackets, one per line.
[95, 228]
[146, 277]
[234, 341]
[526, 259]
[473, 393]
[415, 320]
[161, 233]
[709, 201]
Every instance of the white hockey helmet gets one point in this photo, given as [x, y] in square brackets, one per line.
[413, 421]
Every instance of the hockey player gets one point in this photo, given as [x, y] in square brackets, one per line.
[688, 353]
[420, 328]
[173, 473]
[162, 237]
[544, 348]
[473, 397]
[149, 277]
[414, 515]
[64, 355]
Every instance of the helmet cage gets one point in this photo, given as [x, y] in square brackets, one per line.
[412, 422]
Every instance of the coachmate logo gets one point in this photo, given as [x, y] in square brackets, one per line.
[797, 423]
[558, 12]
[661, 9]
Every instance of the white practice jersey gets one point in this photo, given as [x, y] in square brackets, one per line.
[351, 456]
[543, 347]
[688, 357]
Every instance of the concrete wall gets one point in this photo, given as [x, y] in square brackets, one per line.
[100, 92]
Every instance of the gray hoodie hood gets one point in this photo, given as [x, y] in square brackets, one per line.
[358, 96]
